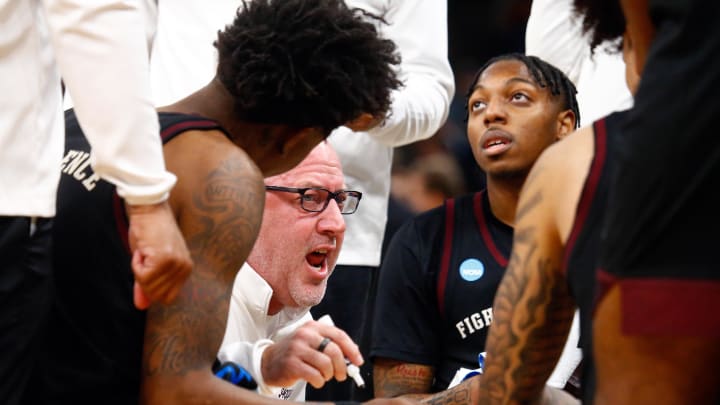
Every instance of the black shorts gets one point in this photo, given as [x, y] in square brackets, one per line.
[661, 231]
[25, 290]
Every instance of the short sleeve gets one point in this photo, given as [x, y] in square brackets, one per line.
[406, 317]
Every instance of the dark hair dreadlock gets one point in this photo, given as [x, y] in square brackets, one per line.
[603, 19]
[305, 63]
[544, 74]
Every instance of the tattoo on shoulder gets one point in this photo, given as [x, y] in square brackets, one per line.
[228, 212]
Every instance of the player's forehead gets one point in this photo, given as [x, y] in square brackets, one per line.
[505, 72]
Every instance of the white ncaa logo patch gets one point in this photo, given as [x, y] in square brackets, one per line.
[471, 269]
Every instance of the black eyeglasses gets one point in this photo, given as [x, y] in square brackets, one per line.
[316, 199]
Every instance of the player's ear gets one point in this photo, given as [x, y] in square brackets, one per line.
[294, 140]
[565, 123]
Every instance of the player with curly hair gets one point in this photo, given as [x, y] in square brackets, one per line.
[290, 71]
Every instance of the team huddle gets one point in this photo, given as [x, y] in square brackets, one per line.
[225, 246]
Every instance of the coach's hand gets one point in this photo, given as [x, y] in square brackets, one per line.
[160, 259]
[315, 352]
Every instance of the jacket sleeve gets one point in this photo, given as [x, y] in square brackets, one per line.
[102, 55]
[420, 107]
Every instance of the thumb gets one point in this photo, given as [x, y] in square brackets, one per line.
[139, 298]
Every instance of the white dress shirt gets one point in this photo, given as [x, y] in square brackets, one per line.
[99, 49]
[250, 330]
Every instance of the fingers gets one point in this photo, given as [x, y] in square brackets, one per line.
[161, 261]
[139, 299]
[160, 281]
[294, 358]
[313, 376]
[298, 356]
[338, 348]
[344, 343]
[323, 344]
[338, 367]
[325, 365]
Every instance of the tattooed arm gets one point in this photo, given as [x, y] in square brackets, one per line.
[218, 201]
[533, 309]
[393, 378]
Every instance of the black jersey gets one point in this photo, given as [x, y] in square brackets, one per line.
[95, 338]
[660, 231]
[583, 246]
[437, 286]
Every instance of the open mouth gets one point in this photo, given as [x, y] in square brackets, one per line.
[317, 258]
[496, 146]
[495, 142]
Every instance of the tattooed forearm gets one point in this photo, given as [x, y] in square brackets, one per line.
[463, 393]
[183, 336]
[528, 333]
[532, 315]
[220, 222]
[392, 378]
[543, 331]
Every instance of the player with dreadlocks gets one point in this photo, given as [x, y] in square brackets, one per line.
[555, 251]
[443, 267]
[544, 74]
[289, 72]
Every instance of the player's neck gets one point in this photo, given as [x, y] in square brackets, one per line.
[503, 196]
[212, 101]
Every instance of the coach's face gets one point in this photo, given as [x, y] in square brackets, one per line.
[296, 250]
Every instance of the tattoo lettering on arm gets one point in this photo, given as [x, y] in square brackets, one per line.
[220, 222]
[394, 378]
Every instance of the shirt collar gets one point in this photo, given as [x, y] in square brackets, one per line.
[255, 293]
